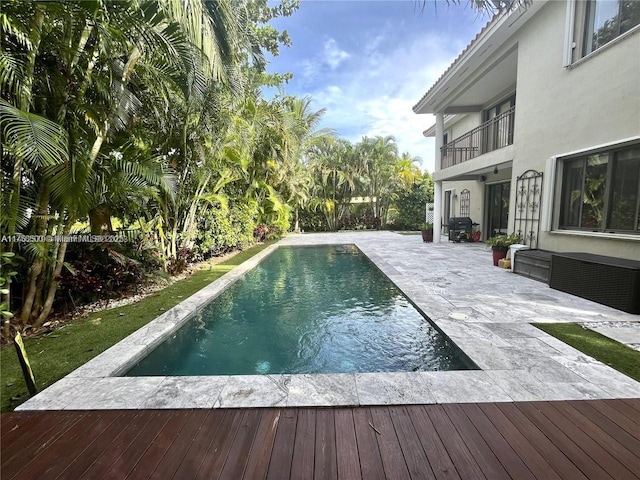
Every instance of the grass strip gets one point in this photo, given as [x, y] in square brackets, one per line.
[615, 354]
[54, 355]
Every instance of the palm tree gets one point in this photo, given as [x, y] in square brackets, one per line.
[77, 70]
[304, 136]
[406, 170]
[336, 174]
[379, 156]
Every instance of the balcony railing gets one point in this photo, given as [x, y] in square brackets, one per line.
[491, 135]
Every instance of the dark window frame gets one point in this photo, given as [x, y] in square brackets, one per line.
[585, 20]
[608, 205]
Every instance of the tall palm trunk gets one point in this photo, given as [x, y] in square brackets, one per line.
[135, 55]
[36, 270]
[53, 285]
[100, 219]
[38, 273]
[39, 285]
[25, 105]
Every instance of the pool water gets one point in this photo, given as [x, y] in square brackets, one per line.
[325, 309]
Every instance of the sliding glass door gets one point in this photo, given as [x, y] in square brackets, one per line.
[497, 208]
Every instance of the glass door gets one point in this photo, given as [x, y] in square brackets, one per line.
[499, 131]
[446, 212]
[498, 208]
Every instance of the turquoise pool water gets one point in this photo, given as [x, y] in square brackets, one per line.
[325, 309]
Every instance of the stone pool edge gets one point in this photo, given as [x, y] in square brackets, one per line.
[120, 357]
[93, 387]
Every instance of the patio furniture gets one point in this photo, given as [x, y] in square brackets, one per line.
[534, 264]
[608, 280]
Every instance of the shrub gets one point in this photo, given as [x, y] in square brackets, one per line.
[410, 205]
[103, 271]
[243, 221]
[359, 217]
[184, 257]
[312, 221]
[260, 232]
[280, 225]
[222, 229]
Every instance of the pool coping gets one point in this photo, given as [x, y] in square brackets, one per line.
[562, 373]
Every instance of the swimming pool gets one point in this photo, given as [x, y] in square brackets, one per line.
[321, 309]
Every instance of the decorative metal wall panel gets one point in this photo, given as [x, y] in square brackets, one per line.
[465, 203]
[528, 202]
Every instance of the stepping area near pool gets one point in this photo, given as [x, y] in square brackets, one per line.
[485, 310]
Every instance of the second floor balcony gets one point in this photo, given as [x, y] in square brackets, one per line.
[495, 133]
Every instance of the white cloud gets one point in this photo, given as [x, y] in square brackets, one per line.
[373, 44]
[376, 96]
[333, 55]
[309, 68]
[329, 96]
[368, 63]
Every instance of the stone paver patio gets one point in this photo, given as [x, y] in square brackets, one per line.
[485, 310]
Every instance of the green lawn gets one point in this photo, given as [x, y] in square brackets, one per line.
[616, 355]
[55, 355]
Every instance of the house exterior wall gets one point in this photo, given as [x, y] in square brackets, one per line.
[476, 199]
[477, 196]
[596, 101]
[561, 110]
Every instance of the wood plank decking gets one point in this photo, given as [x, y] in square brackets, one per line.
[527, 440]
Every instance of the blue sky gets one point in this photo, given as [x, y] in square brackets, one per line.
[369, 62]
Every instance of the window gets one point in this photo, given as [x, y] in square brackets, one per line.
[603, 21]
[601, 192]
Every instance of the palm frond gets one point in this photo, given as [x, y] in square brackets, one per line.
[11, 73]
[24, 207]
[127, 107]
[35, 139]
[10, 25]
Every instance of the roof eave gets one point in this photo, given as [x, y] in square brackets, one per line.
[457, 65]
[475, 47]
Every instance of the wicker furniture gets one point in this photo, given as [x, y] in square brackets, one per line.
[611, 281]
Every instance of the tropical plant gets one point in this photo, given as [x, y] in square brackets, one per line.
[337, 175]
[379, 158]
[503, 241]
[8, 265]
[410, 203]
[76, 76]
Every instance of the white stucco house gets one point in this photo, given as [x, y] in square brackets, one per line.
[537, 128]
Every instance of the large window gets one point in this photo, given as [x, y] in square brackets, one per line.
[601, 192]
[605, 20]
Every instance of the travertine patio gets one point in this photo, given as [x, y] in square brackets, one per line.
[485, 310]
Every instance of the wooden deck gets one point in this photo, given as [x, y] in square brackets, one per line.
[540, 440]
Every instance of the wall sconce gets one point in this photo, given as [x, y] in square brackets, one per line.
[495, 170]
[483, 178]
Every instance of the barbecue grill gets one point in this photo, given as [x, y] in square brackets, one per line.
[460, 229]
